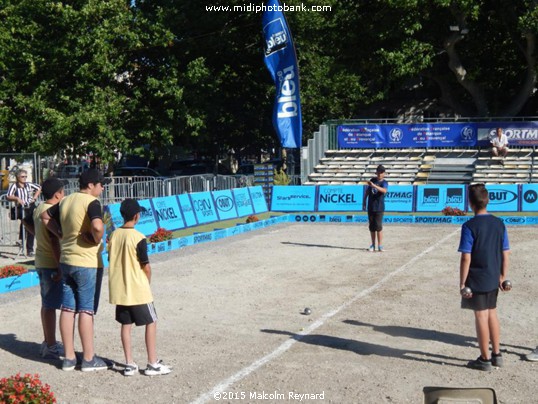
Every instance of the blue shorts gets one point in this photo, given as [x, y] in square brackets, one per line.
[51, 291]
[82, 288]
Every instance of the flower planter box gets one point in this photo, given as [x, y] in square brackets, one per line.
[18, 282]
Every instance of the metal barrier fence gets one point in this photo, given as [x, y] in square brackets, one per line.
[131, 187]
[151, 187]
[9, 229]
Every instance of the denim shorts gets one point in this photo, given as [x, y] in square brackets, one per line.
[51, 291]
[82, 288]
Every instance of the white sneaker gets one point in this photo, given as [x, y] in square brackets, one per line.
[157, 369]
[533, 356]
[130, 369]
[371, 248]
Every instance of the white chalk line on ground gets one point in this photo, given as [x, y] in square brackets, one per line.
[224, 385]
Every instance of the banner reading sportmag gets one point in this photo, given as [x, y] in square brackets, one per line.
[281, 61]
[467, 134]
[399, 198]
[187, 210]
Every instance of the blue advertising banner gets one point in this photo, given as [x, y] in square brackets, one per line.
[335, 198]
[234, 231]
[114, 211]
[407, 135]
[513, 220]
[168, 213]
[202, 237]
[503, 198]
[529, 201]
[147, 225]
[281, 61]
[242, 202]
[293, 198]
[433, 219]
[187, 210]
[434, 198]
[399, 198]
[448, 134]
[258, 199]
[398, 219]
[518, 133]
[225, 204]
[204, 208]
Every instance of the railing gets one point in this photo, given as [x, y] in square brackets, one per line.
[151, 187]
[9, 229]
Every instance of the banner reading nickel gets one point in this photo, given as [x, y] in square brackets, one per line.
[281, 61]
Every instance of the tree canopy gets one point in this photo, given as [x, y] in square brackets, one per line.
[87, 75]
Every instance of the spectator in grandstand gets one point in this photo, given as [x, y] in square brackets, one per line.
[484, 262]
[78, 222]
[47, 258]
[499, 144]
[24, 194]
[374, 199]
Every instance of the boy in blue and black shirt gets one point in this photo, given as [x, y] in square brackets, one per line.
[374, 200]
[484, 263]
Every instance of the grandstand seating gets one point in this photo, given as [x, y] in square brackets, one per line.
[423, 166]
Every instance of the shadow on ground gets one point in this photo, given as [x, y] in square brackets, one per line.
[431, 335]
[30, 350]
[366, 348]
[319, 245]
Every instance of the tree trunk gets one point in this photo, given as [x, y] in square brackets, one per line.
[527, 88]
[447, 96]
[459, 71]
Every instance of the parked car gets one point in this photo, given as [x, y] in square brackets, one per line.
[135, 172]
[196, 167]
[246, 169]
[71, 171]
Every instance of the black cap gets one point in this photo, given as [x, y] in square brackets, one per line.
[380, 169]
[52, 185]
[130, 207]
[92, 176]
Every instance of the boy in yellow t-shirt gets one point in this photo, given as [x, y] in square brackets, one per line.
[129, 278]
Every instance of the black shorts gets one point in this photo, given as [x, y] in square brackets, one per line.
[375, 221]
[481, 301]
[141, 314]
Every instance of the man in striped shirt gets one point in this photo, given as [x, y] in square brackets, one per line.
[24, 194]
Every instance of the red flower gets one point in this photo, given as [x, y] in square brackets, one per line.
[12, 270]
[160, 235]
[449, 211]
[252, 218]
[26, 389]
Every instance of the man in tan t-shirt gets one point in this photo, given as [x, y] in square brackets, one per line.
[77, 220]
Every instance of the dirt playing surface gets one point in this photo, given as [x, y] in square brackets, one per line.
[383, 325]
